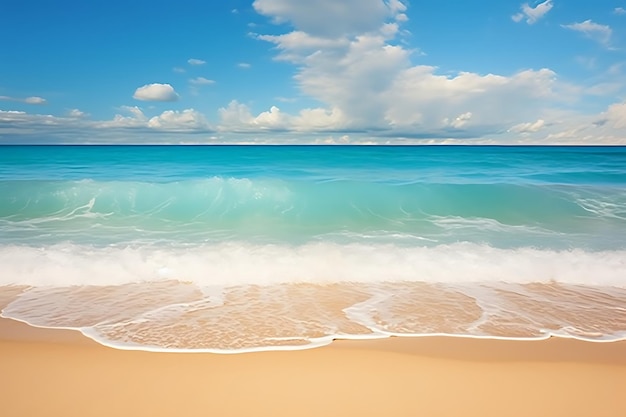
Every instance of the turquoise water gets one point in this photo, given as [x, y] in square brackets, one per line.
[507, 197]
[222, 216]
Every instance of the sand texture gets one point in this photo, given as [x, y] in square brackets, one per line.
[61, 373]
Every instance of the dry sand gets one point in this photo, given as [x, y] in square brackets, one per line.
[61, 373]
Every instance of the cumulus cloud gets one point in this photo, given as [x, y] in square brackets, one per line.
[330, 18]
[201, 81]
[370, 90]
[367, 82]
[234, 115]
[185, 120]
[533, 14]
[133, 117]
[238, 117]
[373, 84]
[27, 100]
[272, 119]
[619, 11]
[597, 32]
[421, 98]
[156, 92]
[195, 61]
[76, 114]
[319, 119]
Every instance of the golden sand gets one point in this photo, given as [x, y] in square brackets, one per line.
[61, 373]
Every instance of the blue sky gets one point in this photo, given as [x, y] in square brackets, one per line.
[289, 71]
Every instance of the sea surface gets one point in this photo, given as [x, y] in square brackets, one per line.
[241, 248]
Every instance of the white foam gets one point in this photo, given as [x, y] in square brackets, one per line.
[319, 341]
[235, 263]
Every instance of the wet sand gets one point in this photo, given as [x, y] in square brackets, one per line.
[62, 373]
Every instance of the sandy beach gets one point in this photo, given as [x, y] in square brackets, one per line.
[61, 373]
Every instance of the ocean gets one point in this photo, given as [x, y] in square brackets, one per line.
[232, 249]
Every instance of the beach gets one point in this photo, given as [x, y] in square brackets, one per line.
[49, 372]
[312, 281]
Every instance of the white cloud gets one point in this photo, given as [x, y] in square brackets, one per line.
[179, 70]
[529, 127]
[533, 14]
[186, 120]
[244, 65]
[619, 11]
[597, 32]
[35, 100]
[373, 84]
[27, 100]
[370, 91]
[365, 82]
[331, 18]
[421, 97]
[201, 81]
[19, 117]
[401, 17]
[616, 116]
[234, 115]
[195, 61]
[396, 6]
[170, 120]
[131, 126]
[273, 125]
[134, 118]
[459, 121]
[320, 120]
[297, 45]
[272, 119]
[238, 117]
[76, 114]
[608, 128]
[156, 92]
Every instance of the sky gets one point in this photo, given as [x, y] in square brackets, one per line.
[324, 71]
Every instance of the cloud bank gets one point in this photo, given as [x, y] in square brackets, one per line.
[363, 84]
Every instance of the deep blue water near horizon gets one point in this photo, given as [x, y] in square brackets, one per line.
[226, 216]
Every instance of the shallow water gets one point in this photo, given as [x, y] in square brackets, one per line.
[231, 249]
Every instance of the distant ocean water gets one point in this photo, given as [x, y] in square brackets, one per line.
[241, 248]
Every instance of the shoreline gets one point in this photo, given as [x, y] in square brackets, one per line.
[61, 372]
[18, 330]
